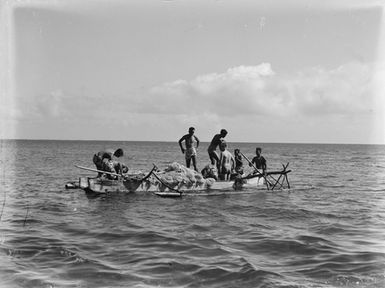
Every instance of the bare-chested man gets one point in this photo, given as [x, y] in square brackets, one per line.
[217, 140]
[190, 151]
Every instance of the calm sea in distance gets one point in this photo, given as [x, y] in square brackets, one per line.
[328, 230]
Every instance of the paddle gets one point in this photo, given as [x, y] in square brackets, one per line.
[256, 169]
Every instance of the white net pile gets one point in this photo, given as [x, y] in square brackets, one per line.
[178, 176]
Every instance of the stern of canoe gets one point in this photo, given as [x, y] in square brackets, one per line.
[100, 185]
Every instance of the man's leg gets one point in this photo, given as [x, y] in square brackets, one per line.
[214, 158]
[194, 161]
[188, 162]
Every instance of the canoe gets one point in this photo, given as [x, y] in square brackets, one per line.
[178, 180]
[106, 186]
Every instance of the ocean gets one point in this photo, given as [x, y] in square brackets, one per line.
[328, 230]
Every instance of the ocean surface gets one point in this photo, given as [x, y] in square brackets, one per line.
[328, 230]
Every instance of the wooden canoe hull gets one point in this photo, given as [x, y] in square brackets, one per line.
[100, 185]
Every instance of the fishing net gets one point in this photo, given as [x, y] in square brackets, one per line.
[178, 176]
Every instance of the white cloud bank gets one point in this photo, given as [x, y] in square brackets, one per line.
[314, 105]
[244, 90]
[240, 91]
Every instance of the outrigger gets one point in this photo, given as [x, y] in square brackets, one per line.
[162, 184]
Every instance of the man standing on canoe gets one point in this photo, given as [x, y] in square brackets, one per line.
[190, 151]
[217, 140]
[103, 158]
[238, 162]
[226, 162]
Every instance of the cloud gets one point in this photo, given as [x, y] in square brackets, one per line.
[218, 93]
[346, 90]
[239, 91]
[245, 90]
[244, 96]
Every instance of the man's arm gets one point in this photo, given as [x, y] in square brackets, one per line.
[180, 143]
[196, 139]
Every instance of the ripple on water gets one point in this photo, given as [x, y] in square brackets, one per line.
[325, 232]
[245, 276]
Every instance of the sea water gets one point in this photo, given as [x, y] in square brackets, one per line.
[328, 230]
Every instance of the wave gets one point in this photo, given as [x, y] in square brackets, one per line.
[326, 185]
[359, 263]
[246, 276]
[285, 247]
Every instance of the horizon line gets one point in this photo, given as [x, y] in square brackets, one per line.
[169, 141]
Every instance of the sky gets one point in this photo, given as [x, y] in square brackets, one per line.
[267, 71]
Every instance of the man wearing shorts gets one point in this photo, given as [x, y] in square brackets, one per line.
[190, 151]
[226, 162]
[217, 140]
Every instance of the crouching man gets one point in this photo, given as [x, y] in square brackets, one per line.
[106, 160]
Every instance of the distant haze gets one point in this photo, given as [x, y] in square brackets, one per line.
[267, 71]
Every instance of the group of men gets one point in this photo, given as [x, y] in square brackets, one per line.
[223, 165]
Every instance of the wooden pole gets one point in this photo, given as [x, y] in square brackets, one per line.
[287, 179]
[99, 171]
